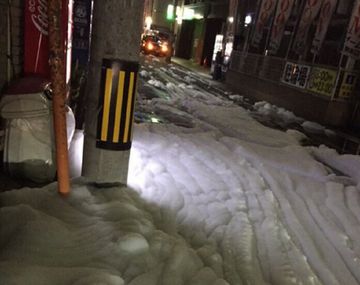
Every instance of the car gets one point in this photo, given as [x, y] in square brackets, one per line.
[157, 44]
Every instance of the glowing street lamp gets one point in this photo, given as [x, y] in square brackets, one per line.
[248, 20]
[148, 22]
[188, 14]
[170, 12]
[179, 13]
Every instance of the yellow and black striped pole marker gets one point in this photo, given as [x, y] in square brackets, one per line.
[116, 104]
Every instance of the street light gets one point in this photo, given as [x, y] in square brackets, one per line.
[170, 12]
[179, 15]
[148, 22]
[248, 20]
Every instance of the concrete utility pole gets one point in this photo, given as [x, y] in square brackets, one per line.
[115, 38]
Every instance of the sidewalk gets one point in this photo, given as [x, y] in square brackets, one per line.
[346, 141]
[205, 71]
[201, 70]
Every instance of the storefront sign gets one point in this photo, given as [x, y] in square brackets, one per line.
[36, 46]
[326, 12]
[322, 81]
[266, 11]
[282, 14]
[218, 45]
[81, 31]
[309, 14]
[348, 84]
[296, 74]
[352, 41]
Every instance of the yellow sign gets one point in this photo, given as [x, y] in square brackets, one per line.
[322, 81]
[347, 84]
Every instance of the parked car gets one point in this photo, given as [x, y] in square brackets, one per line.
[156, 43]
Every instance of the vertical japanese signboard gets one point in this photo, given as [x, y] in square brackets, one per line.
[296, 74]
[267, 9]
[310, 12]
[36, 46]
[348, 83]
[81, 31]
[352, 41]
[282, 14]
[322, 81]
[326, 12]
[218, 45]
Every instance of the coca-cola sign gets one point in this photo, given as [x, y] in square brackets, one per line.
[36, 31]
[38, 10]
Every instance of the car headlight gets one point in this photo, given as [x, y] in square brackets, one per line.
[164, 48]
[150, 46]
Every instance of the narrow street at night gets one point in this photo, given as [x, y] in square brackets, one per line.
[214, 197]
[179, 142]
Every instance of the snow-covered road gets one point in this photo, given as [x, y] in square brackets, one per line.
[214, 197]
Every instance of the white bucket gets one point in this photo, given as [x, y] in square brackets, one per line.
[29, 144]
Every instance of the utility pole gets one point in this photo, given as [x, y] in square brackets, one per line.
[57, 71]
[111, 85]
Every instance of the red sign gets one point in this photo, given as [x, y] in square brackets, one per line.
[267, 8]
[282, 14]
[352, 41]
[326, 12]
[36, 47]
[311, 10]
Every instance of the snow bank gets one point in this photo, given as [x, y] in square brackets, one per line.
[297, 135]
[346, 164]
[156, 83]
[266, 109]
[144, 73]
[220, 199]
[236, 97]
[108, 236]
[313, 127]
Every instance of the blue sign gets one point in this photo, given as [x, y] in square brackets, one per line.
[81, 31]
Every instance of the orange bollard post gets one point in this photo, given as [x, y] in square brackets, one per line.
[57, 71]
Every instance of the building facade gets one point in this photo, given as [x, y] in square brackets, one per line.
[197, 28]
[11, 40]
[301, 55]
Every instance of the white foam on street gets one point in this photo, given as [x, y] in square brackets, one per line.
[224, 200]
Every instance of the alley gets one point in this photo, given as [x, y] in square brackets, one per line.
[214, 197]
[270, 205]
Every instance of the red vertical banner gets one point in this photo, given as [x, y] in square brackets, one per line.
[282, 15]
[352, 41]
[36, 36]
[266, 11]
[311, 10]
[326, 12]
